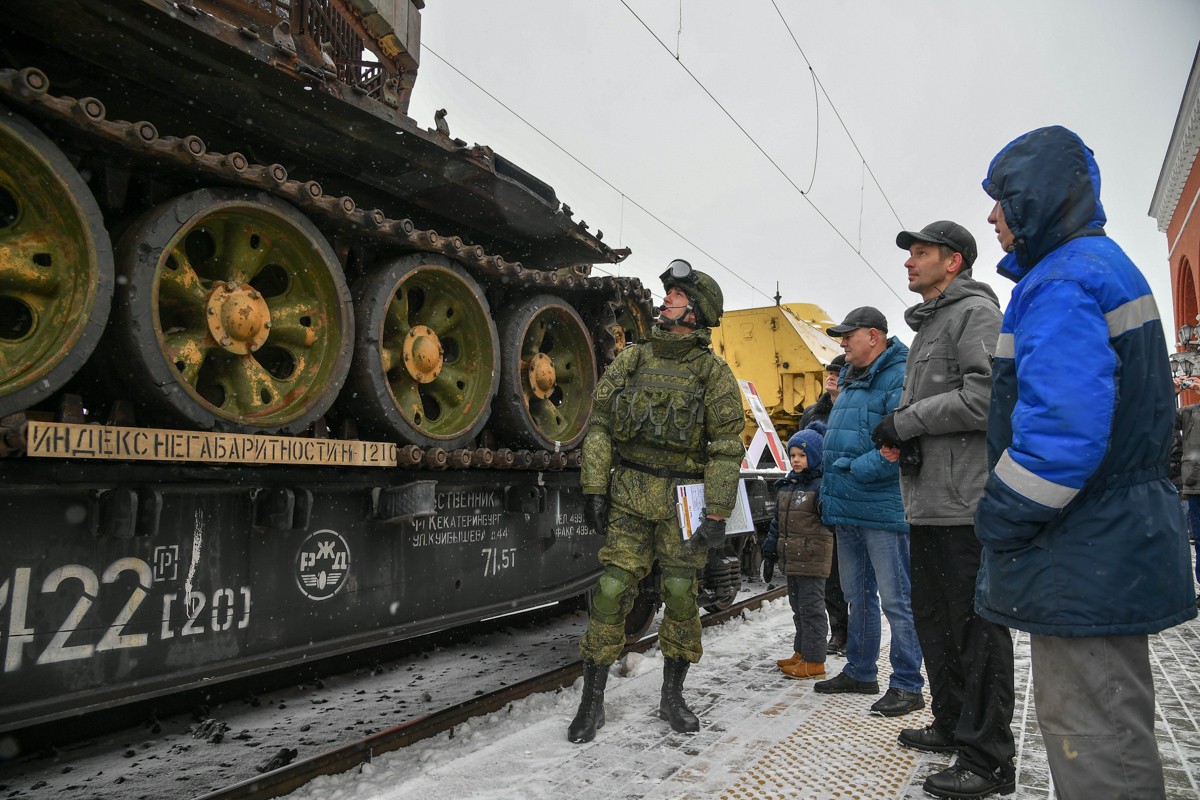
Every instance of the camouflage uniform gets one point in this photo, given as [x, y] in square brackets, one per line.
[668, 406]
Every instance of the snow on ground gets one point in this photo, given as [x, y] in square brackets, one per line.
[762, 735]
[522, 751]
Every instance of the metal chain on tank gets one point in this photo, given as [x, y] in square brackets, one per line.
[29, 88]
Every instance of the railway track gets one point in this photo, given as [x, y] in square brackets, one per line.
[286, 779]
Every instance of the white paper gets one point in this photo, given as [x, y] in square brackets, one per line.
[690, 502]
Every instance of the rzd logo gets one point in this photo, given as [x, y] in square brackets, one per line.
[322, 564]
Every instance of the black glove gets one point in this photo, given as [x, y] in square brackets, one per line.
[768, 569]
[595, 512]
[711, 533]
[885, 434]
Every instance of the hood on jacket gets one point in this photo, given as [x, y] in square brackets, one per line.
[963, 286]
[1048, 185]
[813, 445]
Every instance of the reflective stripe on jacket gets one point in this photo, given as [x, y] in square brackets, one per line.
[1082, 533]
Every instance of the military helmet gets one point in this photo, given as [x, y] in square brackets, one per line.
[701, 289]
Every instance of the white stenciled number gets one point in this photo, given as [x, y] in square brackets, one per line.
[496, 559]
[18, 634]
[113, 639]
[195, 604]
[59, 650]
[224, 596]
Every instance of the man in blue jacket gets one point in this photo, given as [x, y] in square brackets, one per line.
[861, 497]
[1082, 534]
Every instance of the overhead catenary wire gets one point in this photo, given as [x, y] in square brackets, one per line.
[803, 193]
[833, 107]
[427, 49]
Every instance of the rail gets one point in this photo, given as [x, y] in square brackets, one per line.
[287, 779]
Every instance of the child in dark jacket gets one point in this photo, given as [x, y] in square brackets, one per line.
[804, 549]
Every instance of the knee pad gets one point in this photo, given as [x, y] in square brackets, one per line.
[679, 594]
[606, 602]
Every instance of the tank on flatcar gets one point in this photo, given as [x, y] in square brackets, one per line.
[282, 373]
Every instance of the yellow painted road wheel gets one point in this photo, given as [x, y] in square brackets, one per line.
[426, 364]
[232, 313]
[547, 375]
[56, 267]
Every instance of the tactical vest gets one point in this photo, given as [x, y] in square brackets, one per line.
[661, 407]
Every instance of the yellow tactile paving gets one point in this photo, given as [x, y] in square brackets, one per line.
[850, 756]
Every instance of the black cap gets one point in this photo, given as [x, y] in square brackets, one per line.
[837, 364]
[865, 317]
[951, 234]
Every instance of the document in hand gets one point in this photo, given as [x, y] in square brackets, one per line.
[690, 500]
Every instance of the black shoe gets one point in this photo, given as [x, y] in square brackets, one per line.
[960, 782]
[929, 739]
[671, 706]
[590, 715]
[896, 702]
[844, 684]
[837, 645]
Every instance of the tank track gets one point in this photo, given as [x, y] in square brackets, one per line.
[28, 89]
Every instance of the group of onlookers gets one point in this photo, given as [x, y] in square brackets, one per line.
[1006, 471]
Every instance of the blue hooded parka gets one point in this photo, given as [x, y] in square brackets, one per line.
[1082, 533]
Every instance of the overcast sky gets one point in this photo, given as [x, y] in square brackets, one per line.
[929, 90]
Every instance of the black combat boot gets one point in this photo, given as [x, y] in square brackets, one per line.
[672, 708]
[590, 715]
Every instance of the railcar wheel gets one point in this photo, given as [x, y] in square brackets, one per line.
[427, 362]
[56, 267]
[234, 314]
[638, 622]
[547, 375]
[640, 617]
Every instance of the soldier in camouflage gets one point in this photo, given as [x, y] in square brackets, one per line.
[667, 412]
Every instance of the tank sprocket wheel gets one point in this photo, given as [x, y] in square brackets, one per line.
[427, 363]
[547, 375]
[56, 267]
[233, 313]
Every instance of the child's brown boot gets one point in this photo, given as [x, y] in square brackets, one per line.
[804, 670]
[784, 662]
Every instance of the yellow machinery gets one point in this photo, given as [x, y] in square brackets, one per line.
[782, 350]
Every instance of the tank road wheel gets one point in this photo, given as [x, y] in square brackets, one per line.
[56, 267]
[234, 315]
[547, 375]
[634, 321]
[631, 324]
[427, 362]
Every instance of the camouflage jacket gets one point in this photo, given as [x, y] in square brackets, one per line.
[667, 404]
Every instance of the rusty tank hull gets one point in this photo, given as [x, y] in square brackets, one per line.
[283, 374]
[249, 187]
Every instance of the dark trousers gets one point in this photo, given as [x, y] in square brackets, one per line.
[835, 602]
[968, 659]
[1193, 518]
[806, 595]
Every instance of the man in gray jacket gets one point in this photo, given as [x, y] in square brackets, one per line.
[938, 433]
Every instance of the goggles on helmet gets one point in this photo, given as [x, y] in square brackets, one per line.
[679, 271]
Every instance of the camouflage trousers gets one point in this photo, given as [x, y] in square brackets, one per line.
[631, 545]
